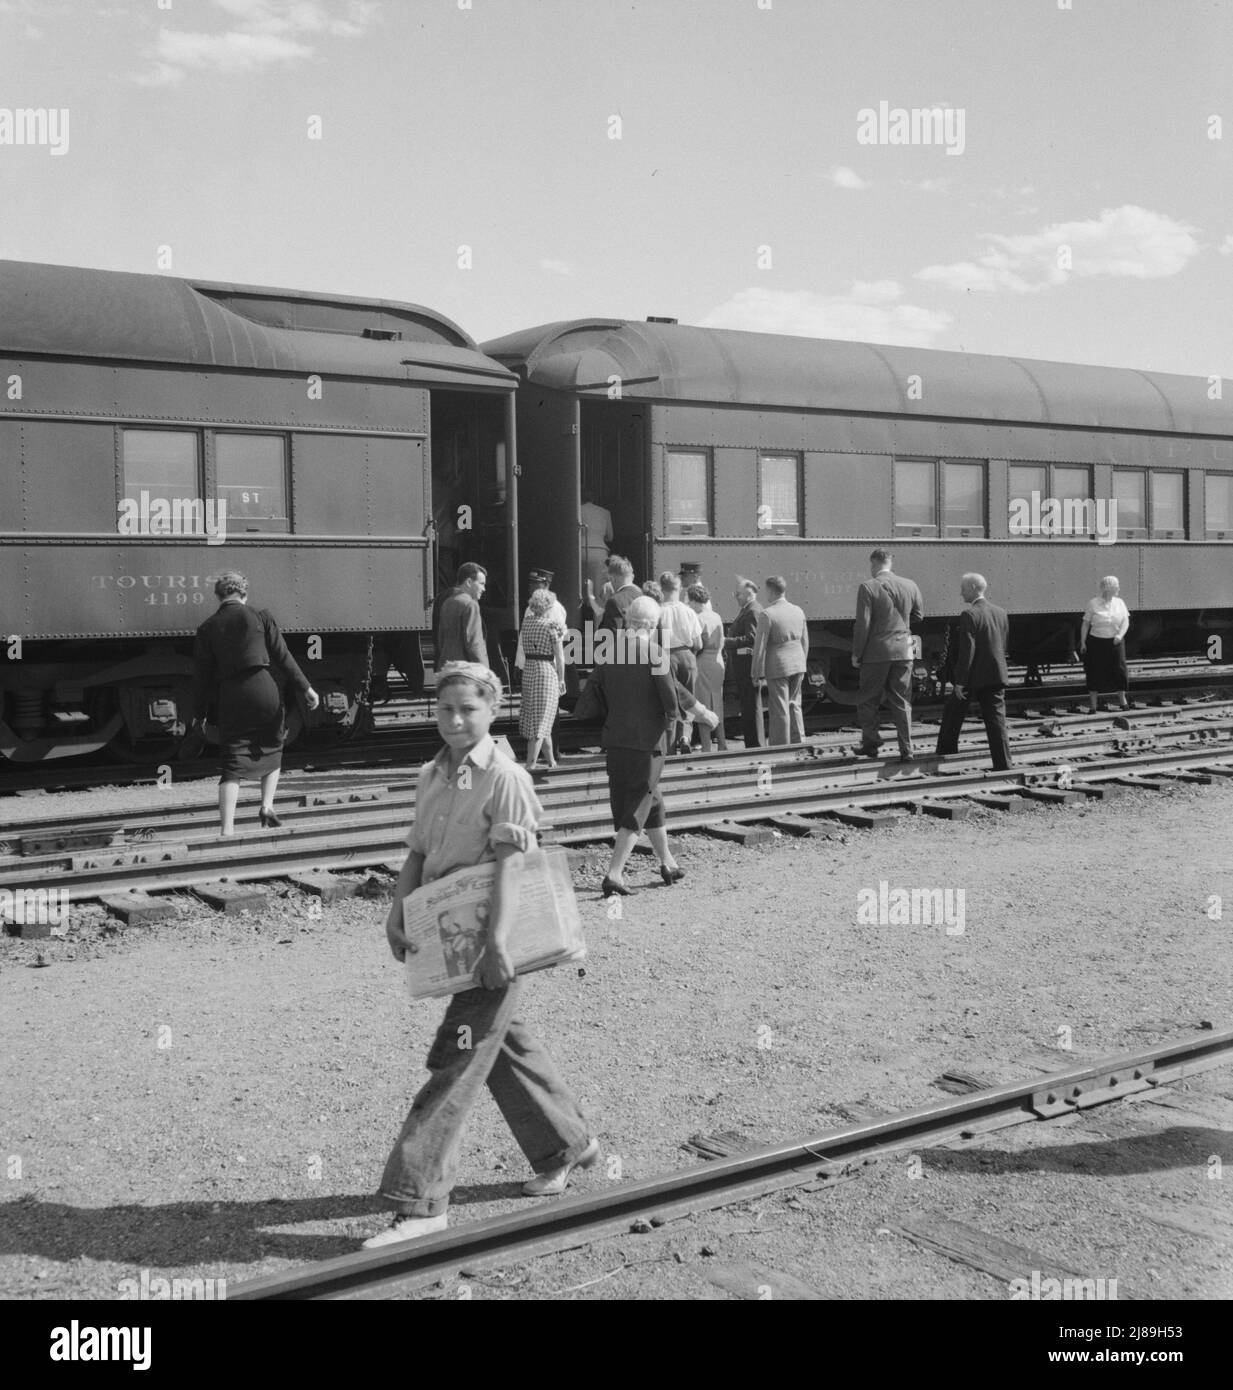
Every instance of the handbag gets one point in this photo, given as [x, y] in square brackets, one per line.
[592, 705]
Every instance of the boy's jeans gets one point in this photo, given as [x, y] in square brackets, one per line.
[481, 1042]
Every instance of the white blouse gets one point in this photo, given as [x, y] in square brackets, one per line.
[1105, 617]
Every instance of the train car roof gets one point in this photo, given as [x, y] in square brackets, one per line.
[72, 312]
[673, 362]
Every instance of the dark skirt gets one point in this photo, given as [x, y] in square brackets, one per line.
[250, 724]
[1104, 665]
[633, 788]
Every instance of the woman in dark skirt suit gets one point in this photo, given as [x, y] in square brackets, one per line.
[234, 652]
[643, 699]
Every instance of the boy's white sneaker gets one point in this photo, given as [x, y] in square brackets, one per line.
[407, 1228]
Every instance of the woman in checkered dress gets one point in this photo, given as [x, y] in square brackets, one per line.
[543, 676]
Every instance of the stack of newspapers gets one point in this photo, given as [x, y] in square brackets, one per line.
[446, 922]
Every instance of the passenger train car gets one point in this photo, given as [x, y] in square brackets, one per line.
[760, 454]
[135, 408]
[356, 451]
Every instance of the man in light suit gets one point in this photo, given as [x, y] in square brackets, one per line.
[781, 653]
[980, 672]
[883, 650]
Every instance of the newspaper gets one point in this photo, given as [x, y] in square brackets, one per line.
[447, 922]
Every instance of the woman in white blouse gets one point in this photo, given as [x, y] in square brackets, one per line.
[1102, 644]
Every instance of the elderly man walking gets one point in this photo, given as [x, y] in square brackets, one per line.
[980, 672]
[883, 649]
[781, 653]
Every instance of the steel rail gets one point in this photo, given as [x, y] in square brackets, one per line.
[719, 771]
[378, 838]
[581, 1220]
[1082, 734]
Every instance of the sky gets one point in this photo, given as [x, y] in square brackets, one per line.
[724, 162]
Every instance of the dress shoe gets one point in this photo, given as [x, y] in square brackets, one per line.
[862, 752]
[906, 758]
[609, 887]
[554, 1183]
[671, 876]
[407, 1228]
[269, 818]
[682, 748]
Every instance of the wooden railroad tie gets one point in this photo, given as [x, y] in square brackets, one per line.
[330, 888]
[865, 820]
[999, 801]
[742, 834]
[137, 909]
[232, 897]
[944, 810]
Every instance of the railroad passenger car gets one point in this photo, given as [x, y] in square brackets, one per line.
[132, 406]
[763, 454]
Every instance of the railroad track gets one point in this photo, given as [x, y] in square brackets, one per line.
[731, 794]
[405, 730]
[566, 1224]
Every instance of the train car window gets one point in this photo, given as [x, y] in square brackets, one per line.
[1168, 512]
[964, 498]
[1218, 506]
[252, 479]
[916, 498]
[779, 492]
[1072, 485]
[1024, 480]
[689, 494]
[163, 465]
[1130, 494]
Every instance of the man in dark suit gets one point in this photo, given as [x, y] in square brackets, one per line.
[888, 607]
[460, 625]
[739, 644]
[980, 672]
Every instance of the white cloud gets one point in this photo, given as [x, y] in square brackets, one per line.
[262, 33]
[867, 313]
[843, 177]
[1226, 246]
[926, 185]
[556, 267]
[1127, 241]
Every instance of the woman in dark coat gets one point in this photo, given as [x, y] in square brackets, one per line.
[643, 699]
[233, 654]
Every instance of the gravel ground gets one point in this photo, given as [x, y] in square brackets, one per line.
[215, 1096]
